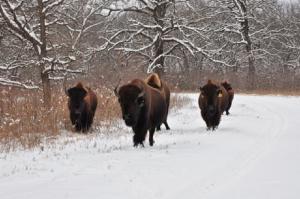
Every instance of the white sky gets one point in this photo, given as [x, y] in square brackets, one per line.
[288, 1]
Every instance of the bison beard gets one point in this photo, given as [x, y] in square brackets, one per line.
[143, 109]
[82, 105]
[154, 81]
[213, 101]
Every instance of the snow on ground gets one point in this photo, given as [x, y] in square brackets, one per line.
[254, 154]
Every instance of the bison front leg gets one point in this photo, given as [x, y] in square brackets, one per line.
[158, 128]
[78, 126]
[84, 123]
[208, 124]
[139, 137]
[73, 118]
[88, 120]
[137, 140]
[216, 121]
[151, 141]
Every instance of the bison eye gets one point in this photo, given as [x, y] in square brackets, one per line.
[140, 101]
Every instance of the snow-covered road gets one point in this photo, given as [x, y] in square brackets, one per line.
[254, 154]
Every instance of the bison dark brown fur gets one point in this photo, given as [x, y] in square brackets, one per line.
[143, 109]
[154, 81]
[82, 105]
[213, 100]
[230, 92]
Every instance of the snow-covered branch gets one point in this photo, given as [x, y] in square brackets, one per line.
[7, 82]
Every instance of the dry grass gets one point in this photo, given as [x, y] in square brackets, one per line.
[108, 110]
[25, 123]
[177, 101]
[24, 120]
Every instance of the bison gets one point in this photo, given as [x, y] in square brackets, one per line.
[230, 92]
[82, 105]
[143, 108]
[154, 81]
[213, 100]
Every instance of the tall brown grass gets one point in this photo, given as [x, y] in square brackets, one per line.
[25, 123]
[178, 101]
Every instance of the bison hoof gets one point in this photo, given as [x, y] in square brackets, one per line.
[151, 143]
[137, 144]
[227, 113]
[158, 129]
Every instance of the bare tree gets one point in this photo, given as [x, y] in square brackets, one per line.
[155, 30]
[233, 22]
[33, 22]
[41, 41]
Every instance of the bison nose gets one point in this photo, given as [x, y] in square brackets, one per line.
[77, 112]
[211, 109]
[126, 117]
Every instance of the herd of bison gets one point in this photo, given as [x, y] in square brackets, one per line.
[145, 105]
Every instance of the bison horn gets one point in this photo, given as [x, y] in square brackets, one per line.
[116, 88]
[141, 94]
[116, 91]
[140, 99]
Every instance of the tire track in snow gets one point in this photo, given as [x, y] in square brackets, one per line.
[273, 127]
[261, 148]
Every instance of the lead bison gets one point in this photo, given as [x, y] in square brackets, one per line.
[143, 109]
[82, 104]
[230, 92]
[154, 81]
[213, 100]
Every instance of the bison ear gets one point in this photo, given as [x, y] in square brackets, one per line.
[69, 92]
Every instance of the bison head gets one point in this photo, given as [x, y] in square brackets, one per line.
[132, 102]
[76, 99]
[226, 85]
[210, 94]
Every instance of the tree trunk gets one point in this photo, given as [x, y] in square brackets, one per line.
[159, 13]
[246, 37]
[46, 89]
[251, 72]
[43, 53]
[159, 50]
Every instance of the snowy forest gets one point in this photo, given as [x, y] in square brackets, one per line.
[149, 99]
[48, 44]
[255, 43]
